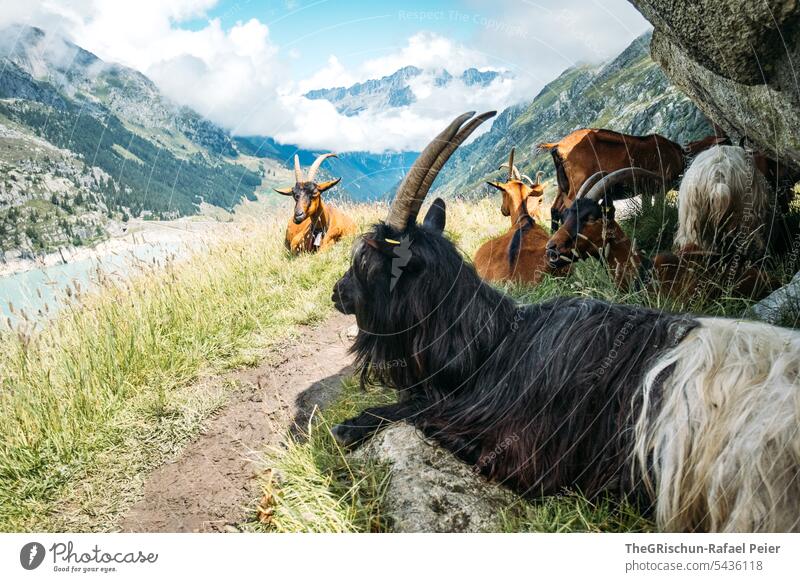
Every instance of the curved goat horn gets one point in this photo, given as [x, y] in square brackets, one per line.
[618, 177]
[298, 173]
[539, 175]
[312, 171]
[590, 181]
[448, 150]
[526, 178]
[420, 177]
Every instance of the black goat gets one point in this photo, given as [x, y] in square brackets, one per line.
[573, 392]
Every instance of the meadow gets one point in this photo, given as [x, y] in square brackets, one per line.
[125, 376]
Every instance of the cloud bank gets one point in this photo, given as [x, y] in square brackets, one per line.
[242, 80]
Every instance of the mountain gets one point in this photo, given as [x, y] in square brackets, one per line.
[630, 94]
[365, 176]
[395, 90]
[87, 141]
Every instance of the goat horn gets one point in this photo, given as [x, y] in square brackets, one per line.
[511, 167]
[526, 178]
[618, 177]
[298, 173]
[512, 174]
[448, 150]
[420, 177]
[590, 181]
[539, 175]
[312, 171]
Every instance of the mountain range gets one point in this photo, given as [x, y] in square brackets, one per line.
[85, 144]
[395, 90]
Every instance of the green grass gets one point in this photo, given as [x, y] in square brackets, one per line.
[572, 512]
[312, 485]
[117, 382]
[122, 379]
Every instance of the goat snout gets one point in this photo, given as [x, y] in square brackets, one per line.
[552, 254]
[556, 257]
[299, 216]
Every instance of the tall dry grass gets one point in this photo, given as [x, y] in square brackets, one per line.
[110, 387]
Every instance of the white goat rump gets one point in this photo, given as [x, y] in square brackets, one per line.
[721, 194]
[718, 440]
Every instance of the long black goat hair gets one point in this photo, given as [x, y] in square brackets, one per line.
[481, 369]
[574, 392]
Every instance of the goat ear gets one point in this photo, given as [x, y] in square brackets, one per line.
[284, 191]
[436, 216]
[327, 185]
[496, 185]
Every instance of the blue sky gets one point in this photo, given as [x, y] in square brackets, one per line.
[310, 30]
[246, 64]
[353, 30]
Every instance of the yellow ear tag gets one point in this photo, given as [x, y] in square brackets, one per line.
[391, 241]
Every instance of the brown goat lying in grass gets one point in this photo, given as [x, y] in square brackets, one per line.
[314, 226]
[517, 255]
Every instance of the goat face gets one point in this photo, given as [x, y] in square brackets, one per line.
[307, 197]
[519, 197]
[385, 265]
[580, 235]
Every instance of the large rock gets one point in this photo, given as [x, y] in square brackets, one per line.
[430, 490]
[734, 60]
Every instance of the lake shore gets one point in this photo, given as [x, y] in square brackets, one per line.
[183, 231]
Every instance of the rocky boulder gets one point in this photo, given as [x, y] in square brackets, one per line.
[430, 490]
[734, 60]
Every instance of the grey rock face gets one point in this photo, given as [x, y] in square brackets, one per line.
[430, 490]
[734, 60]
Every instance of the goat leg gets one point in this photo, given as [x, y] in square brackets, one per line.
[357, 429]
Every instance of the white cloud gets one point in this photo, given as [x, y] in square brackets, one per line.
[333, 74]
[240, 79]
[425, 50]
[319, 125]
[538, 39]
[232, 76]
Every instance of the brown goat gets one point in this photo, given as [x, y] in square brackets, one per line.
[589, 230]
[314, 226]
[584, 152]
[517, 255]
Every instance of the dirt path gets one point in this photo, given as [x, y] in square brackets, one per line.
[208, 487]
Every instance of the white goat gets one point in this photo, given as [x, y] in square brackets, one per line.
[722, 197]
